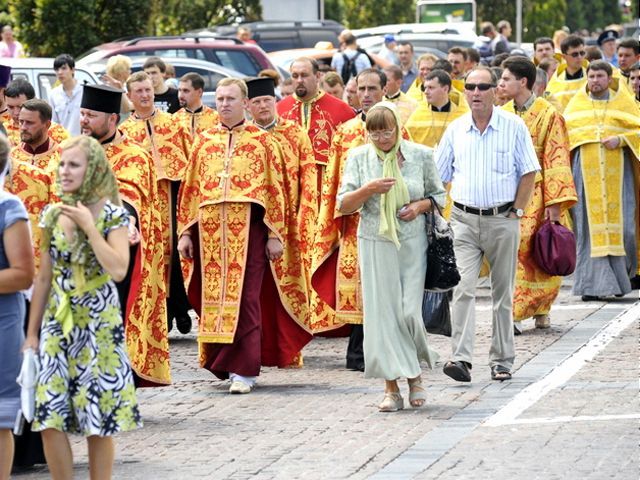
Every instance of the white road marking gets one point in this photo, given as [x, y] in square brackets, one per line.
[565, 370]
[565, 419]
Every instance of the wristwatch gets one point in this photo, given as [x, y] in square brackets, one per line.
[518, 211]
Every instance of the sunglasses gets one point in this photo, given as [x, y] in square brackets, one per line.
[483, 87]
[581, 53]
[387, 135]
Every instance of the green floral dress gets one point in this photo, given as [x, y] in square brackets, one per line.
[85, 383]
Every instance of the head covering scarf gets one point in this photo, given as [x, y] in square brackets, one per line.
[99, 182]
[398, 195]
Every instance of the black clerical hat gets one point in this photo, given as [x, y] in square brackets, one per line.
[101, 98]
[607, 36]
[259, 87]
[5, 75]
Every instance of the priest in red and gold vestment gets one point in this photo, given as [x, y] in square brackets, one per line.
[143, 292]
[231, 222]
[317, 112]
[194, 116]
[36, 148]
[285, 293]
[168, 144]
[16, 93]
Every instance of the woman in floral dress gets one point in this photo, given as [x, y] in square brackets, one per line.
[85, 384]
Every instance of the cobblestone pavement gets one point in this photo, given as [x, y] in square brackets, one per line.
[564, 415]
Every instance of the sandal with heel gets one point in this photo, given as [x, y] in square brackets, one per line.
[392, 402]
[417, 393]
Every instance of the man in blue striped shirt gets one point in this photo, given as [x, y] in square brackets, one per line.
[488, 157]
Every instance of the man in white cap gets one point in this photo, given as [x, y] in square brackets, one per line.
[388, 50]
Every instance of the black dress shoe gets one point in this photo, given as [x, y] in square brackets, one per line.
[184, 324]
[591, 298]
[358, 367]
[169, 323]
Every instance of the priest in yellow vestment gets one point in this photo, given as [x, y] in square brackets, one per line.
[604, 133]
[553, 194]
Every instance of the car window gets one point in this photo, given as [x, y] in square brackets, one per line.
[279, 40]
[21, 76]
[237, 60]
[46, 82]
[182, 70]
[309, 37]
[196, 53]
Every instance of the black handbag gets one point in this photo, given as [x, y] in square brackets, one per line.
[442, 271]
[435, 313]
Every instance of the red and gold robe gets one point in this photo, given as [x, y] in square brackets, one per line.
[319, 117]
[229, 171]
[56, 132]
[168, 144]
[196, 123]
[146, 311]
[535, 290]
[33, 186]
[336, 294]
[290, 278]
[47, 161]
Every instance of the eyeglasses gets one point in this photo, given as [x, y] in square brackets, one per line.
[386, 134]
[483, 87]
[581, 53]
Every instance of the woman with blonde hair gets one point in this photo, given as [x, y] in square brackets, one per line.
[85, 384]
[392, 183]
[117, 72]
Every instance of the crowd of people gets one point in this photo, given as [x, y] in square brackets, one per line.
[279, 216]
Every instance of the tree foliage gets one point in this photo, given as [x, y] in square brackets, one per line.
[50, 27]
[370, 13]
[541, 19]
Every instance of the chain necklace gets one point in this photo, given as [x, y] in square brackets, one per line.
[599, 119]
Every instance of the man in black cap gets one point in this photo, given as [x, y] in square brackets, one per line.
[607, 43]
[143, 292]
[291, 271]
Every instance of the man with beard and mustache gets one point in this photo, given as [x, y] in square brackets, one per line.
[143, 291]
[168, 144]
[36, 148]
[317, 112]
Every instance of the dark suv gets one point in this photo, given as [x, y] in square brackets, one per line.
[284, 35]
[228, 52]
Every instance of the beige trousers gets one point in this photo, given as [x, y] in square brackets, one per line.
[497, 237]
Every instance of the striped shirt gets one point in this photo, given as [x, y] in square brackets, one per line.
[485, 168]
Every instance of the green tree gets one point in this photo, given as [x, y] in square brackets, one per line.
[495, 10]
[592, 14]
[371, 13]
[334, 10]
[177, 16]
[541, 19]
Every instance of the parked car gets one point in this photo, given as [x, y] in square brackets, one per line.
[425, 42]
[284, 35]
[211, 72]
[229, 52]
[39, 73]
[401, 28]
[284, 58]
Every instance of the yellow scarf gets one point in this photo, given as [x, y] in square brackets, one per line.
[398, 195]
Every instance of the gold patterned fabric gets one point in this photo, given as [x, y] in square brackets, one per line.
[146, 312]
[33, 186]
[562, 89]
[535, 290]
[229, 171]
[196, 123]
[46, 161]
[405, 105]
[168, 144]
[589, 121]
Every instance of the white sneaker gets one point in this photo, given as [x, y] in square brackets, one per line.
[239, 387]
